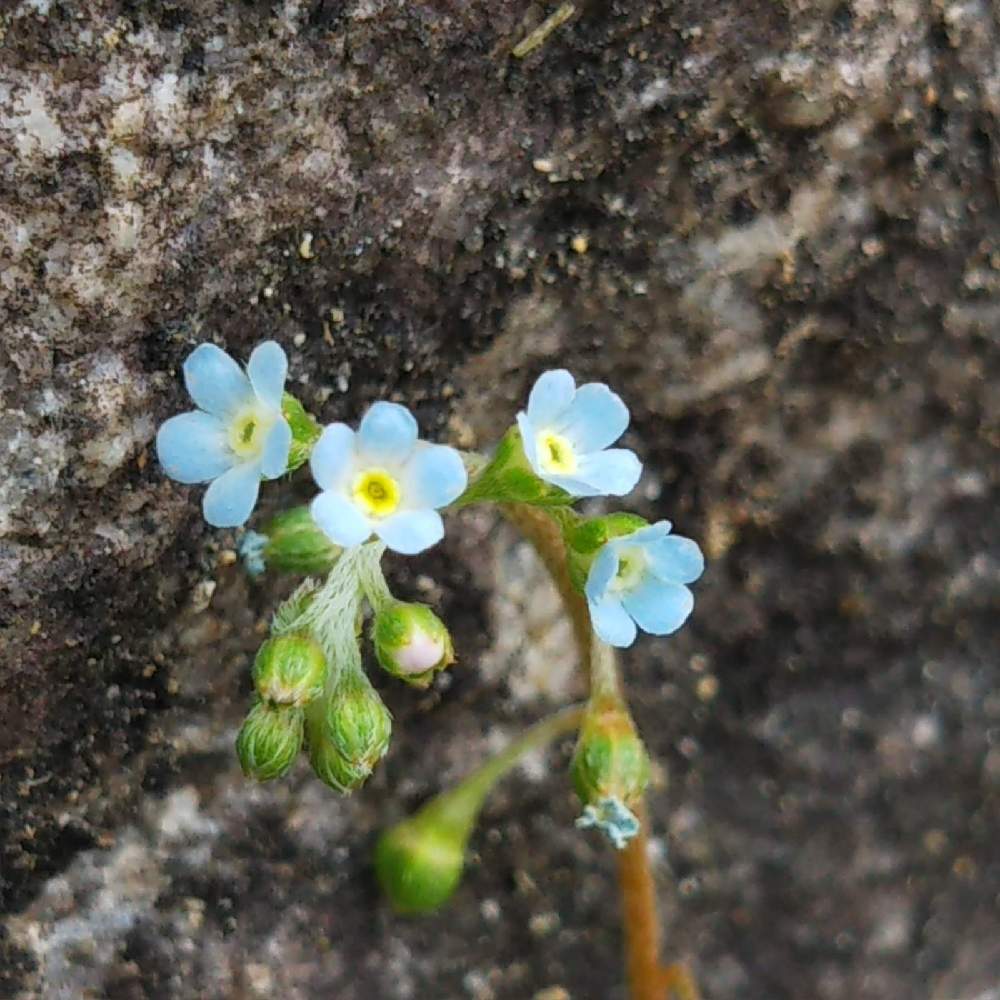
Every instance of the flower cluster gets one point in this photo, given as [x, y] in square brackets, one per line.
[383, 481]
[380, 486]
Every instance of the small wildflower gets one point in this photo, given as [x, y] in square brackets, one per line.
[638, 579]
[566, 432]
[238, 434]
[382, 480]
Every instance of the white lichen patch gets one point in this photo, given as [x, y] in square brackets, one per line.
[31, 123]
[32, 463]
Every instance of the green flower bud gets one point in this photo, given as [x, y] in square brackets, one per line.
[269, 740]
[332, 767]
[290, 670]
[305, 431]
[584, 539]
[610, 761]
[411, 642]
[419, 861]
[348, 733]
[294, 544]
[509, 478]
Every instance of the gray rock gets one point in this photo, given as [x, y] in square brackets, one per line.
[773, 227]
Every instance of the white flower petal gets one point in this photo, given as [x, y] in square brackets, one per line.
[268, 369]
[529, 444]
[193, 448]
[274, 458]
[387, 434]
[411, 531]
[433, 477]
[340, 520]
[216, 383]
[332, 457]
[645, 536]
[603, 570]
[551, 394]
[659, 608]
[230, 500]
[675, 559]
[596, 418]
[612, 472]
[612, 623]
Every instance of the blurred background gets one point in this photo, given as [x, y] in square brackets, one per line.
[773, 226]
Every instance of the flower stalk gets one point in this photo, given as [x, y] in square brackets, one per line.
[419, 861]
[648, 978]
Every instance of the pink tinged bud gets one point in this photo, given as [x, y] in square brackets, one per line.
[421, 653]
[411, 642]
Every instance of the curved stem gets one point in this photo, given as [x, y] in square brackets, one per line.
[648, 979]
[468, 795]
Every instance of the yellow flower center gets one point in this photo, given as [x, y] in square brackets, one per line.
[631, 565]
[248, 431]
[555, 454]
[376, 493]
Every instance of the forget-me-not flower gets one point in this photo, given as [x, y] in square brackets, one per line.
[382, 480]
[566, 432]
[236, 437]
[639, 579]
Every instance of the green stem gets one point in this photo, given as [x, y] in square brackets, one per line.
[459, 806]
[370, 576]
[605, 681]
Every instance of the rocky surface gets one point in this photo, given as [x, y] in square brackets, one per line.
[774, 227]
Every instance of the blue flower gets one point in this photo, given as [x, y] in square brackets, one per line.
[236, 437]
[566, 433]
[639, 579]
[382, 480]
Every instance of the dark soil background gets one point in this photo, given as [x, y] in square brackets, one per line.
[772, 225]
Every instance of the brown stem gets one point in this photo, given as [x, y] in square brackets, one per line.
[639, 914]
[647, 978]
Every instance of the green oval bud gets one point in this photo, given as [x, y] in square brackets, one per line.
[290, 670]
[411, 642]
[348, 733]
[419, 862]
[610, 761]
[295, 544]
[269, 741]
[305, 431]
[332, 767]
[584, 539]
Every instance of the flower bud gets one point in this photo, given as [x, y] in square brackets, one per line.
[269, 740]
[290, 669]
[411, 642]
[584, 539]
[610, 761]
[348, 733]
[332, 767]
[305, 431]
[294, 544]
[419, 862]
